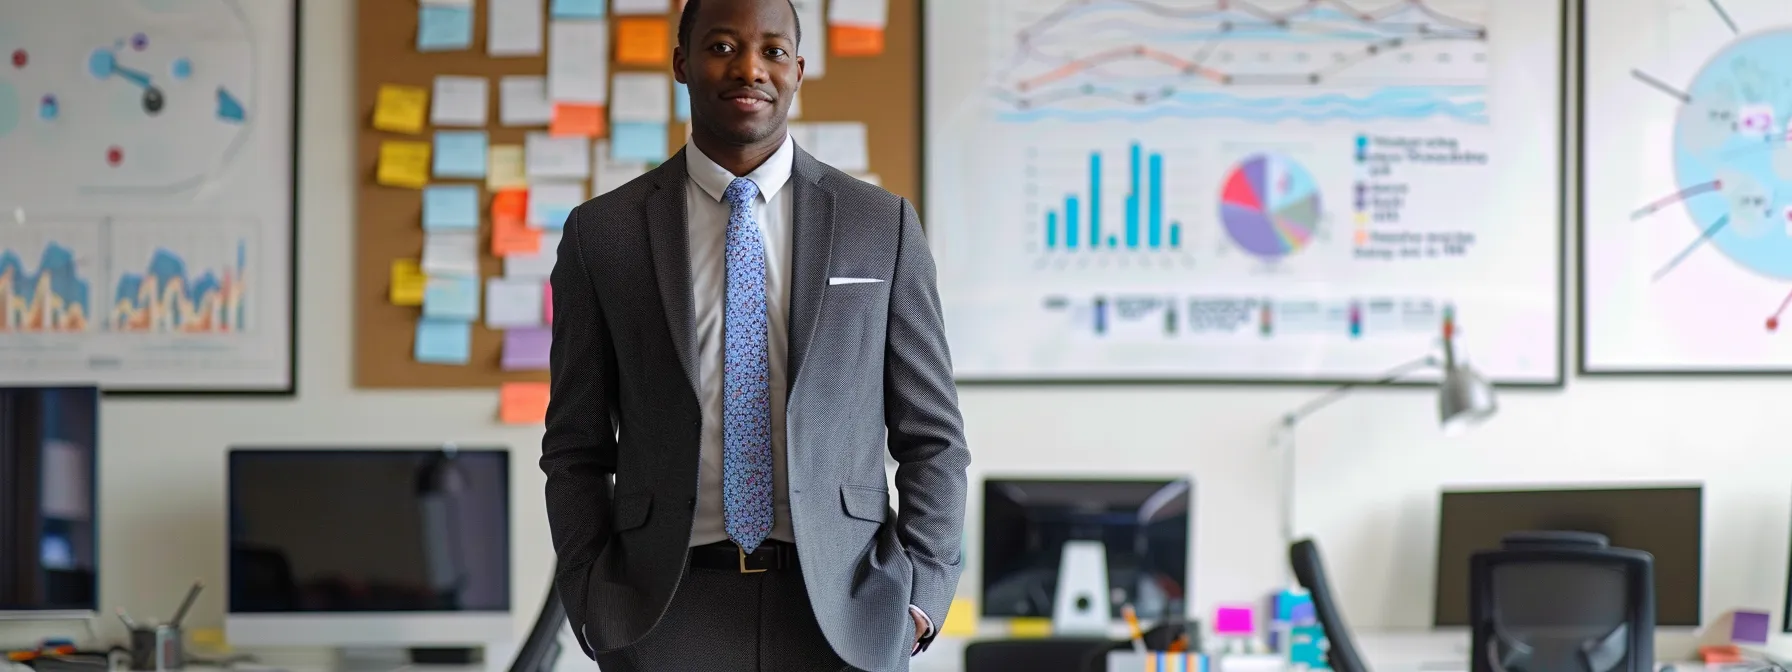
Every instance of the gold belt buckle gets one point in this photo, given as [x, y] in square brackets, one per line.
[742, 552]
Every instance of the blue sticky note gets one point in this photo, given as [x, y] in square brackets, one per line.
[681, 101]
[450, 208]
[444, 341]
[451, 298]
[460, 154]
[551, 215]
[578, 9]
[638, 141]
[442, 28]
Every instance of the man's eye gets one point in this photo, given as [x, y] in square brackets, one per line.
[721, 48]
[775, 52]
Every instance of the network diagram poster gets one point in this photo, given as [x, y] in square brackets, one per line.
[1245, 190]
[146, 194]
[1687, 229]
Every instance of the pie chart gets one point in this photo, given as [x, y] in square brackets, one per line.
[1270, 206]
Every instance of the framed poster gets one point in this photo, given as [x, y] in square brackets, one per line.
[147, 179]
[1256, 191]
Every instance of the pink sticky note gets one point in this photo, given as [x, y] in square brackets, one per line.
[547, 302]
[1233, 621]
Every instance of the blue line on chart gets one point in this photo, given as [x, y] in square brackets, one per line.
[1709, 232]
[104, 64]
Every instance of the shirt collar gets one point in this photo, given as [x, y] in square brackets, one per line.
[769, 176]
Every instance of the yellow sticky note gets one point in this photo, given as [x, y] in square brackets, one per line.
[404, 164]
[643, 40]
[401, 109]
[1030, 627]
[504, 168]
[961, 619]
[523, 403]
[408, 281]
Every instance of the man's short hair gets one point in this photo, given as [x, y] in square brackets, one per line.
[688, 20]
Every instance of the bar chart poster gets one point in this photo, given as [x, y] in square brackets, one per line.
[1249, 190]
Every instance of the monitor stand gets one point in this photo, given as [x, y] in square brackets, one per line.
[1081, 607]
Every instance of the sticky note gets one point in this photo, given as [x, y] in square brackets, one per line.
[1030, 628]
[578, 61]
[523, 101]
[451, 253]
[643, 40]
[545, 156]
[408, 282]
[404, 163]
[444, 28]
[577, 9]
[514, 28]
[512, 237]
[460, 154]
[961, 619]
[460, 101]
[539, 265]
[512, 303]
[523, 403]
[547, 302]
[504, 168]
[637, 141]
[444, 341]
[450, 207]
[451, 298]
[510, 206]
[850, 41]
[681, 102]
[400, 109]
[641, 6]
[578, 120]
[550, 203]
[526, 349]
[640, 96]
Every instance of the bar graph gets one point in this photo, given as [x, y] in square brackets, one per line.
[1075, 225]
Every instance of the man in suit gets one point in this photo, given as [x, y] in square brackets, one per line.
[739, 336]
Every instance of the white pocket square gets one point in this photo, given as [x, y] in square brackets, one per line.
[851, 281]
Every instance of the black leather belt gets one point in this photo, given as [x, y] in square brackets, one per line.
[728, 556]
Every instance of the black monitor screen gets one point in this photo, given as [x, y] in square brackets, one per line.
[369, 530]
[1666, 522]
[1144, 525]
[49, 556]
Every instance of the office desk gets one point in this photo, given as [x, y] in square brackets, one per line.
[1385, 652]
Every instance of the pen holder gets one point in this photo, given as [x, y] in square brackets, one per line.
[156, 648]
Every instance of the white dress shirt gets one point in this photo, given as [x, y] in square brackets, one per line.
[708, 221]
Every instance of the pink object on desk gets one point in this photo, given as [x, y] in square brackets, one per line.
[1230, 621]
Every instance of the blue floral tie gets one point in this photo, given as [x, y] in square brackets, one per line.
[746, 378]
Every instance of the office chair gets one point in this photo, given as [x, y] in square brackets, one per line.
[1561, 602]
[541, 649]
[1309, 570]
[1051, 654]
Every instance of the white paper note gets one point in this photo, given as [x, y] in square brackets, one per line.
[523, 101]
[578, 61]
[515, 28]
[451, 253]
[459, 101]
[447, 3]
[546, 156]
[539, 265]
[549, 202]
[641, 96]
[814, 47]
[866, 13]
[623, 7]
[841, 144]
[869, 178]
[512, 303]
[796, 105]
[606, 174]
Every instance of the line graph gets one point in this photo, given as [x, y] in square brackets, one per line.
[181, 282]
[1259, 60]
[46, 279]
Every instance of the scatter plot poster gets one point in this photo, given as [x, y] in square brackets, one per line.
[146, 193]
[1246, 190]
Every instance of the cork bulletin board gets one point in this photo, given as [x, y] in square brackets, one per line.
[882, 92]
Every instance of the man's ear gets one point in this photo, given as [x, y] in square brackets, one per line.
[678, 65]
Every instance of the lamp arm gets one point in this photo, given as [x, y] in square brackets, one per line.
[1333, 395]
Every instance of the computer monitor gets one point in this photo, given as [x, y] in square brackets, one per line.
[49, 540]
[369, 548]
[1665, 521]
[1144, 525]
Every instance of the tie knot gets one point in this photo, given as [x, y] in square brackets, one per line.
[740, 192]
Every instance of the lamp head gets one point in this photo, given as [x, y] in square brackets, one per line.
[1464, 399]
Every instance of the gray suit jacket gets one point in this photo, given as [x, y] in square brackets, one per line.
[868, 368]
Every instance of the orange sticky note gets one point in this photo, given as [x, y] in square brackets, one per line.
[523, 403]
[848, 40]
[512, 236]
[643, 40]
[580, 120]
[510, 206]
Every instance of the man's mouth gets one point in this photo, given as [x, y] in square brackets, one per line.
[748, 100]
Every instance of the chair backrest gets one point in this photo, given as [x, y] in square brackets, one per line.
[1309, 570]
[541, 650]
[1575, 606]
[1051, 654]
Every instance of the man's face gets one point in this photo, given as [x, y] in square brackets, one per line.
[741, 67]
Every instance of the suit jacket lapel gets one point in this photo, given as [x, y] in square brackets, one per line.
[670, 237]
[811, 249]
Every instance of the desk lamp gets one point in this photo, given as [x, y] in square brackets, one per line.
[1464, 399]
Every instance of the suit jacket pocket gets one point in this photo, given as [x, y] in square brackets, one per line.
[865, 503]
[632, 510]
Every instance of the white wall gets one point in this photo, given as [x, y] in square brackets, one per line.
[1370, 466]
